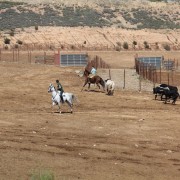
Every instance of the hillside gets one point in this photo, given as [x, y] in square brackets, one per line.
[135, 15]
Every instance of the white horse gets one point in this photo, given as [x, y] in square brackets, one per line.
[109, 86]
[56, 99]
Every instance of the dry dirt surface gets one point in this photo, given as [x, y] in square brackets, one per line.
[126, 136]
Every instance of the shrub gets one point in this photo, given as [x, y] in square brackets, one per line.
[167, 47]
[157, 46]
[118, 48]
[16, 46]
[146, 45]
[7, 41]
[134, 43]
[73, 47]
[119, 44]
[36, 28]
[62, 46]
[12, 32]
[6, 47]
[125, 45]
[19, 42]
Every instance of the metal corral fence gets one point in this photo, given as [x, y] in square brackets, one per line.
[16, 55]
[167, 72]
[97, 62]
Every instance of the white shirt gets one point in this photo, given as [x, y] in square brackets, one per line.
[93, 71]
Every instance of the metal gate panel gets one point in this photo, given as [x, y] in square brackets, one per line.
[73, 60]
[155, 61]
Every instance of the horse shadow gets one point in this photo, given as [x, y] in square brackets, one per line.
[93, 90]
[62, 112]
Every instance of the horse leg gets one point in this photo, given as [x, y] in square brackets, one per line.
[84, 84]
[59, 108]
[52, 105]
[89, 86]
[71, 106]
[155, 96]
[165, 102]
[112, 92]
[52, 108]
[98, 85]
[174, 99]
[173, 102]
[107, 90]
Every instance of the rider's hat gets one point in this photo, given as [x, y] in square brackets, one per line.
[57, 80]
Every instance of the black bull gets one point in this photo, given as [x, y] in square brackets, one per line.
[166, 91]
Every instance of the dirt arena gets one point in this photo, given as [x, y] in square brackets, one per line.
[126, 136]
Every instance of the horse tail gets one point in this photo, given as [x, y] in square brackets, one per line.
[75, 99]
[102, 82]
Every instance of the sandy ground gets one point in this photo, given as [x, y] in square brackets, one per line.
[125, 136]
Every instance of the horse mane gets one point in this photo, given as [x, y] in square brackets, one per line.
[86, 73]
[107, 80]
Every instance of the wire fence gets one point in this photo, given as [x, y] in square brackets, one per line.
[16, 55]
[168, 74]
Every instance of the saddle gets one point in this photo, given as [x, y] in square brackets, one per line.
[91, 75]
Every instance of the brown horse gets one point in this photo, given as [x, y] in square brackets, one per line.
[93, 80]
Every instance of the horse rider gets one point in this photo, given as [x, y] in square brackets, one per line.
[93, 72]
[60, 88]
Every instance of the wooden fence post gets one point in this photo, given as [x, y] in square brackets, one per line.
[18, 54]
[44, 57]
[168, 77]
[109, 74]
[160, 75]
[124, 78]
[13, 54]
[140, 77]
